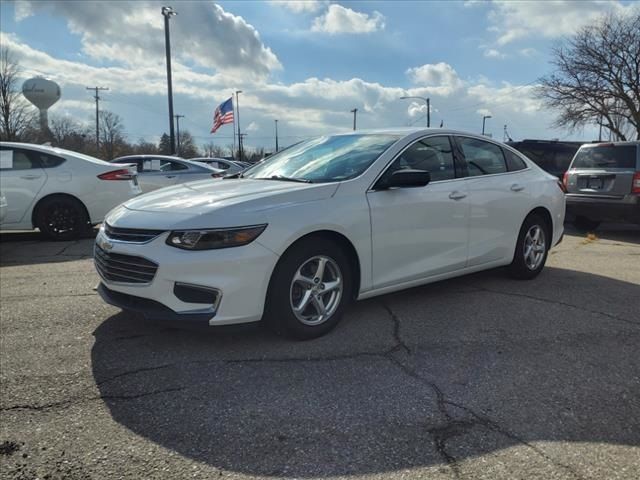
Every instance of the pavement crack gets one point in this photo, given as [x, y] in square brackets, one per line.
[133, 372]
[558, 302]
[400, 344]
[64, 249]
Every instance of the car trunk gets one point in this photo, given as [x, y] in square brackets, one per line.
[602, 170]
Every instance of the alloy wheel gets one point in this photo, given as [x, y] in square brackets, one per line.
[534, 247]
[316, 290]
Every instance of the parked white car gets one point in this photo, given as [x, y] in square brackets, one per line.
[295, 238]
[159, 171]
[58, 191]
[230, 167]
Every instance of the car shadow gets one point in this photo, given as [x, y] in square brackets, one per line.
[427, 376]
[30, 248]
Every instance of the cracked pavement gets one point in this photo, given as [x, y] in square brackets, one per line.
[476, 377]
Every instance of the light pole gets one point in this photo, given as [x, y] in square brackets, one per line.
[484, 119]
[355, 112]
[276, 122]
[167, 13]
[428, 102]
[178, 117]
[238, 92]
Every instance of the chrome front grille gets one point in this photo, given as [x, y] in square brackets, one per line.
[133, 235]
[116, 267]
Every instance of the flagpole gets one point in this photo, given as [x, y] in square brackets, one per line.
[233, 104]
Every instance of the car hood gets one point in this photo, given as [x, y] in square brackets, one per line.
[213, 203]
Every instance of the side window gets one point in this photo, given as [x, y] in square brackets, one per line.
[150, 165]
[16, 159]
[483, 158]
[169, 166]
[222, 165]
[48, 161]
[514, 162]
[433, 154]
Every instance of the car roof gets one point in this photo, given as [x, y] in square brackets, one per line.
[148, 155]
[55, 151]
[615, 144]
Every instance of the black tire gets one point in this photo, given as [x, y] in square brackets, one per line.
[279, 314]
[60, 217]
[519, 268]
[585, 224]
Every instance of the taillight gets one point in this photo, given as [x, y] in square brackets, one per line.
[562, 186]
[635, 186]
[565, 180]
[122, 174]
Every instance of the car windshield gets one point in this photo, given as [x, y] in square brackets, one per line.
[324, 159]
[611, 156]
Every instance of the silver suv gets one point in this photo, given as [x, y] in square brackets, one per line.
[603, 184]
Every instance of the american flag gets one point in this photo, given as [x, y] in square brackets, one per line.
[223, 114]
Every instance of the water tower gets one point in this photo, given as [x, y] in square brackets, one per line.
[42, 93]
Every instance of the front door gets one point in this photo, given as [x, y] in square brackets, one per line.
[21, 178]
[420, 231]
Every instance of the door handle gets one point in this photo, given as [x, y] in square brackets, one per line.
[170, 176]
[456, 195]
[30, 177]
[517, 187]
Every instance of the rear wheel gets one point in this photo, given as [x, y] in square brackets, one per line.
[531, 251]
[585, 224]
[309, 289]
[62, 218]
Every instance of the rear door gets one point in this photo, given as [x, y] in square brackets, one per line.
[21, 179]
[499, 199]
[603, 170]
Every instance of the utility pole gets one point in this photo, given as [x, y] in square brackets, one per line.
[97, 97]
[238, 92]
[355, 112]
[167, 13]
[600, 132]
[484, 118]
[178, 117]
[276, 122]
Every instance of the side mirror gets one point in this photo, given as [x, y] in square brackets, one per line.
[407, 178]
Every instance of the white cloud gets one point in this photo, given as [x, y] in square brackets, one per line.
[309, 107]
[132, 33]
[300, 6]
[528, 52]
[515, 20]
[493, 53]
[339, 19]
[439, 78]
[484, 112]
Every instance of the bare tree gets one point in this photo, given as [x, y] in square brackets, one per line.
[15, 114]
[597, 77]
[212, 150]
[111, 133]
[188, 147]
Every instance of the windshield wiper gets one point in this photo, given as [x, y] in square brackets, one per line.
[284, 179]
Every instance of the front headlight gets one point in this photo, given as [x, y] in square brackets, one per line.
[215, 238]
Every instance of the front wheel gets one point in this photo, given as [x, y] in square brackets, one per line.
[309, 289]
[532, 248]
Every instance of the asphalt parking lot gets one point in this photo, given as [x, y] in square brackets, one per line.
[477, 377]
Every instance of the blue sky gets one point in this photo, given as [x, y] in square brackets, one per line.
[305, 63]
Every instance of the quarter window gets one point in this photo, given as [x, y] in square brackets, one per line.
[483, 158]
[433, 154]
[514, 162]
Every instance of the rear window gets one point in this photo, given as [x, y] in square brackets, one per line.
[619, 156]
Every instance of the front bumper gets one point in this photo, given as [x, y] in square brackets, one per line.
[240, 274]
[626, 208]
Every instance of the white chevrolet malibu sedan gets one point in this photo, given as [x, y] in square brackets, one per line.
[293, 239]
